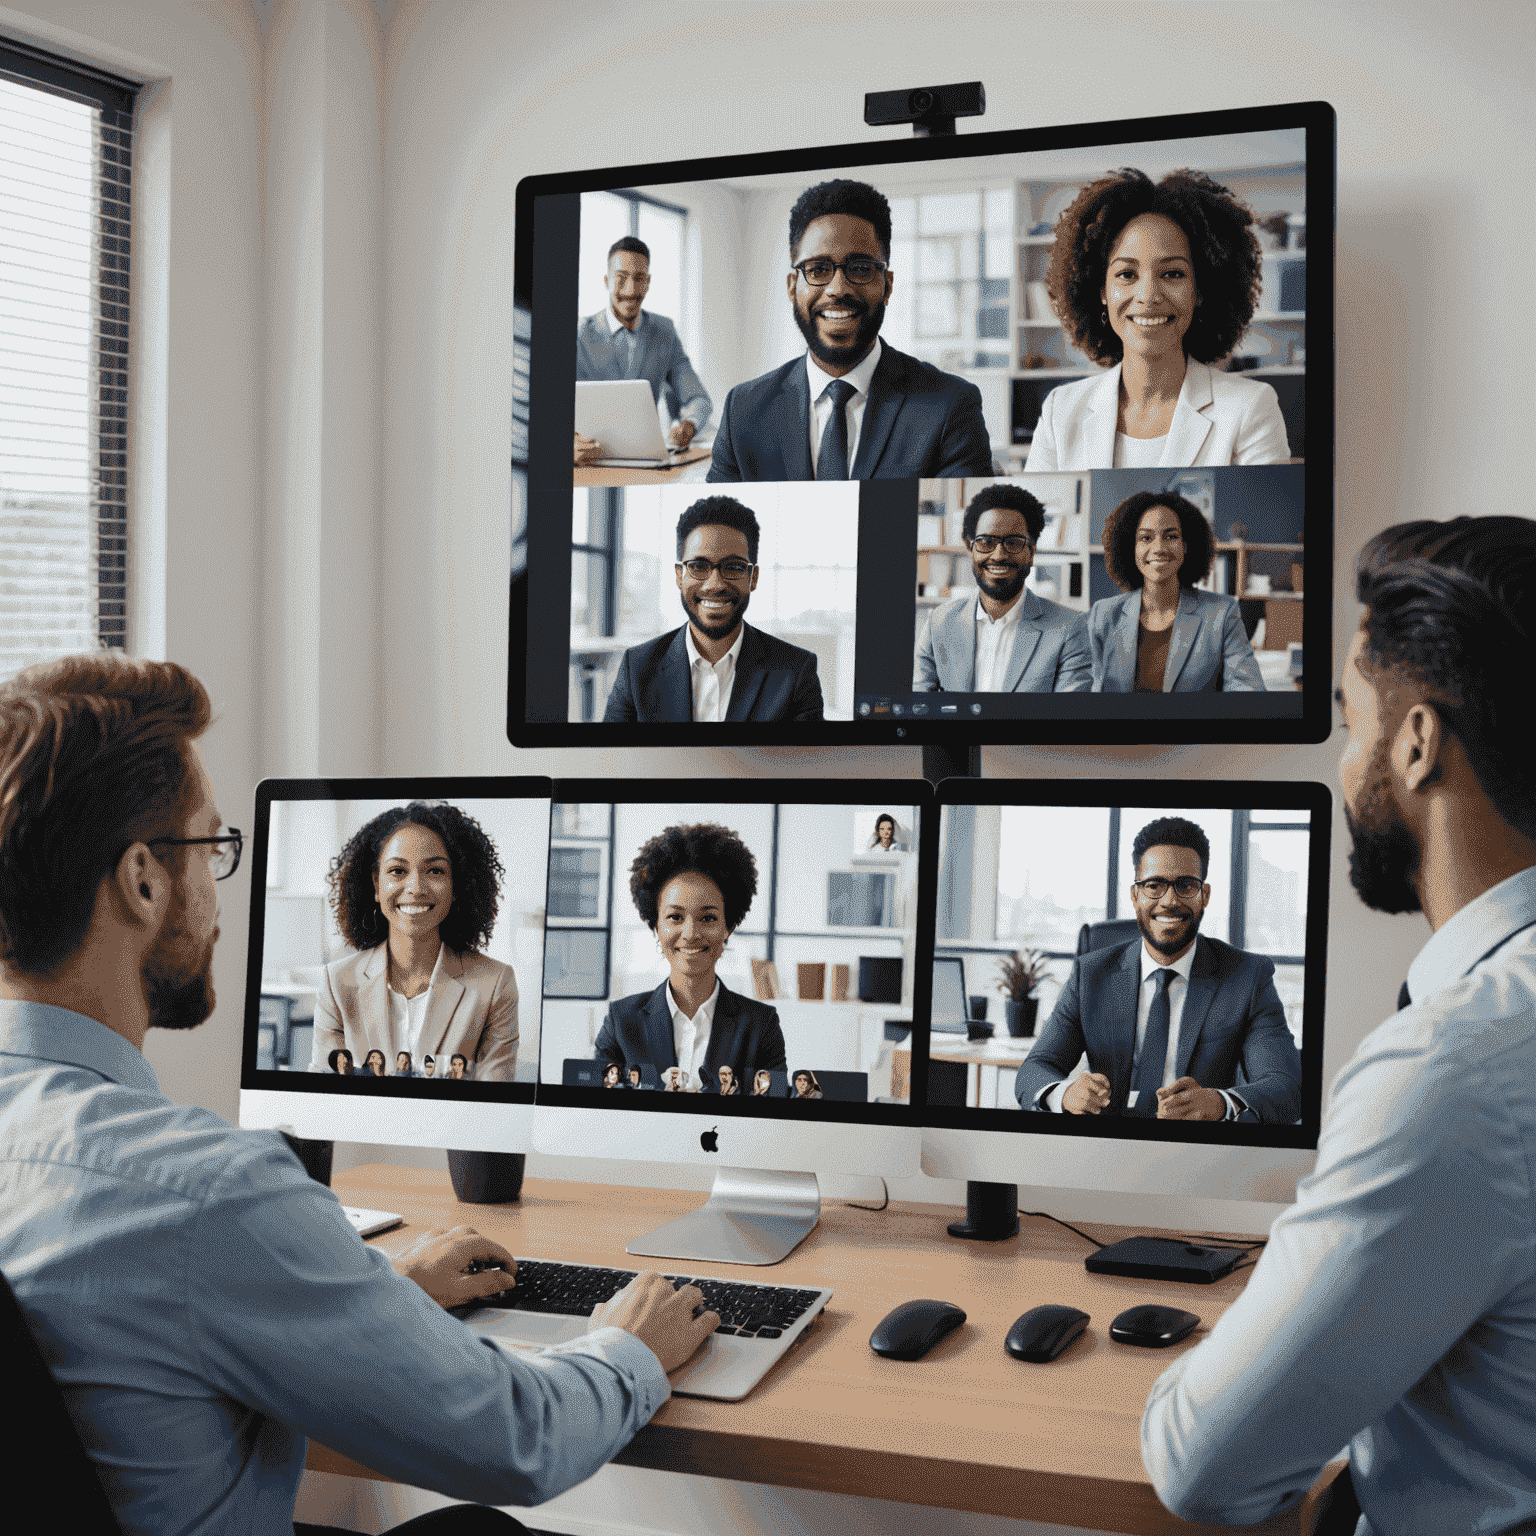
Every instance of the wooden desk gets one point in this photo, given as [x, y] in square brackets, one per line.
[968, 1427]
[1007, 1052]
[583, 476]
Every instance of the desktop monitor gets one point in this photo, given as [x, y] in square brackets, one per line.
[701, 1000]
[950, 1007]
[990, 405]
[396, 960]
[1042, 871]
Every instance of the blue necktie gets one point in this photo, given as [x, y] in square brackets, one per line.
[625, 338]
[1403, 1000]
[1154, 1048]
[832, 459]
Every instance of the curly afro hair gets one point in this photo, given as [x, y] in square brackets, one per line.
[1222, 248]
[1172, 832]
[840, 195]
[704, 848]
[1012, 496]
[472, 860]
[1120, 538]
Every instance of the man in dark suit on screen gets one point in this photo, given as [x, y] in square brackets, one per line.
[1174, 1025]
[716, 667]
[851, 408]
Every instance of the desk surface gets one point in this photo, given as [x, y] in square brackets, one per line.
[968, 1427]
[695, 460]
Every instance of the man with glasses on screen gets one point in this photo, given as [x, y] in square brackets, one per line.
[1176, 1026]
[177, 1272]
[852, 408]
[626, 341]
[1003, 638]
[715, 667]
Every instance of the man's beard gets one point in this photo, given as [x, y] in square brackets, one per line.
[178, 995]
[1187, 934]
[863, 339]
[1383, 855]
[716, 631]
[1005, 590]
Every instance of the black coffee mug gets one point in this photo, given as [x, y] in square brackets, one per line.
[486, 1178]
[315, 1155]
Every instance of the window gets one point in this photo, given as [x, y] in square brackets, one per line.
[609, 216]
[66, 139]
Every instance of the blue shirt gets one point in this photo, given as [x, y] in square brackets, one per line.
[1394, 1308]
[205, 1305]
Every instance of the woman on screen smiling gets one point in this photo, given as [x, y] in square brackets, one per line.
[415, 892]
[1165, 635]
[692, 886]
[1156, 282]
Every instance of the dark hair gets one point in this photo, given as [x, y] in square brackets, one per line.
[1453, 605]
[1120, 538]
[458, 1056]
[704, 848]
[856, 198]
[335, 1055]
[1014, 497]
[94, 757]
[472, 861]
[805, 1072]
[724, 511]
[885, 816]
[406, 1054]
[1171, 832]
[368, 1060]
[629, 243]
[1223, 251]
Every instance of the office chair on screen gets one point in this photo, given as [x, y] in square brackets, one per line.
[1106, 935]
[42, 1449]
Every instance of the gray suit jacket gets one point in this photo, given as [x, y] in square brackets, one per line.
[1207, 653]
[657, 357]
[1050, 649]
[1232, 1033]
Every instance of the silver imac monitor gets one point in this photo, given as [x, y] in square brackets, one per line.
[701, 997]
[396, 958]
[1213, 894]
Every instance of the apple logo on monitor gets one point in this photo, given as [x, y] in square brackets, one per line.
[709, 1140]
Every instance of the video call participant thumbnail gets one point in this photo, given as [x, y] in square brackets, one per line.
[415, 892]
[1156, 281]
[852, 408]
[692, 886]
[1002, 638]
[1166, 635]
[1167, 1020]
[716, 667]
[624, 341]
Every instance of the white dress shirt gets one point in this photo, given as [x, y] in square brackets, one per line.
[690, 1037]
[821, 407]
[1394, 1308]
[994, 645]
[407, 1015]
[712, 681]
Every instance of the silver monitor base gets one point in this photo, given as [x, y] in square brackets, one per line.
[751, 1217]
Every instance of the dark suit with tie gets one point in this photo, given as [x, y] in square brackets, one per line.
[773, 681]
[656, 356]
[744, 1035]
[918, 423]
[1232, 1033]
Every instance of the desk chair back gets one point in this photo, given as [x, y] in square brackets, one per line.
[41, 1447]
[1106, 935]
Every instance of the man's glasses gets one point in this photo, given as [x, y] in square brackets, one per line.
[1186, 887]
[985, 543]
[732, 569]
[223, 852]
[859, 270]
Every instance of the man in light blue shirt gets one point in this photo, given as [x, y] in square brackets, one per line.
[203, 1304]
[1393, 1311]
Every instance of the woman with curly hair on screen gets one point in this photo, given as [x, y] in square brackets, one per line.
[692, 886]
[1165, 635]
[415, 891]
[1156, 281]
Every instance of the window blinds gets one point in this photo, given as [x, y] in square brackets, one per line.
[66, 148]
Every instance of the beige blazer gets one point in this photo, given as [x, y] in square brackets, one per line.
[473, 1010]
[1219, 418]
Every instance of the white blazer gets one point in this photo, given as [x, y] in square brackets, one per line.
[1219, 418]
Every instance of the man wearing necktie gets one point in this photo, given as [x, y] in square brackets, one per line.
[853, 407]
[1175, 1026]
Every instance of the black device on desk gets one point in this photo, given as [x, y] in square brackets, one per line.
[1043, 1333]
[909, 1331]
[1164, 1258]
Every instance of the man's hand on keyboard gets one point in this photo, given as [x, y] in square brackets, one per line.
[438, 1260]
[661, 1318]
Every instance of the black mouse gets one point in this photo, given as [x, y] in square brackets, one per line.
[909, 1331]
[1044, 1332]
[1152, 1326]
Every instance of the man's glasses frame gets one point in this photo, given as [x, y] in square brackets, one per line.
[878, 269]
[733, 568]
[985, 543]
[1154, 887]
[223, 856]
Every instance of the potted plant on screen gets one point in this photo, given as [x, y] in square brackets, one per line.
[1019, 974]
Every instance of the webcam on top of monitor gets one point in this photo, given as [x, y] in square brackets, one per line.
[931, 109]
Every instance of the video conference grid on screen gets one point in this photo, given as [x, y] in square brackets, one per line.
[1084, 542]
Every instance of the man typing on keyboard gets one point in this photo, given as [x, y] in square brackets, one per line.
[202, 1303]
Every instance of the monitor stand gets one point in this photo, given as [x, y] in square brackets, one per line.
[751, 1217]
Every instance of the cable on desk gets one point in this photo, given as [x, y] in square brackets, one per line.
[1067, 1224]
[853, 1205]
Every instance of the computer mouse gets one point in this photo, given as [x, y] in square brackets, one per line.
[1152, 1326]
[909, 1331]
[1044, 1332]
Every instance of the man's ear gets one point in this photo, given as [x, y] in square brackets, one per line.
[1418, 747]
[142, 886]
